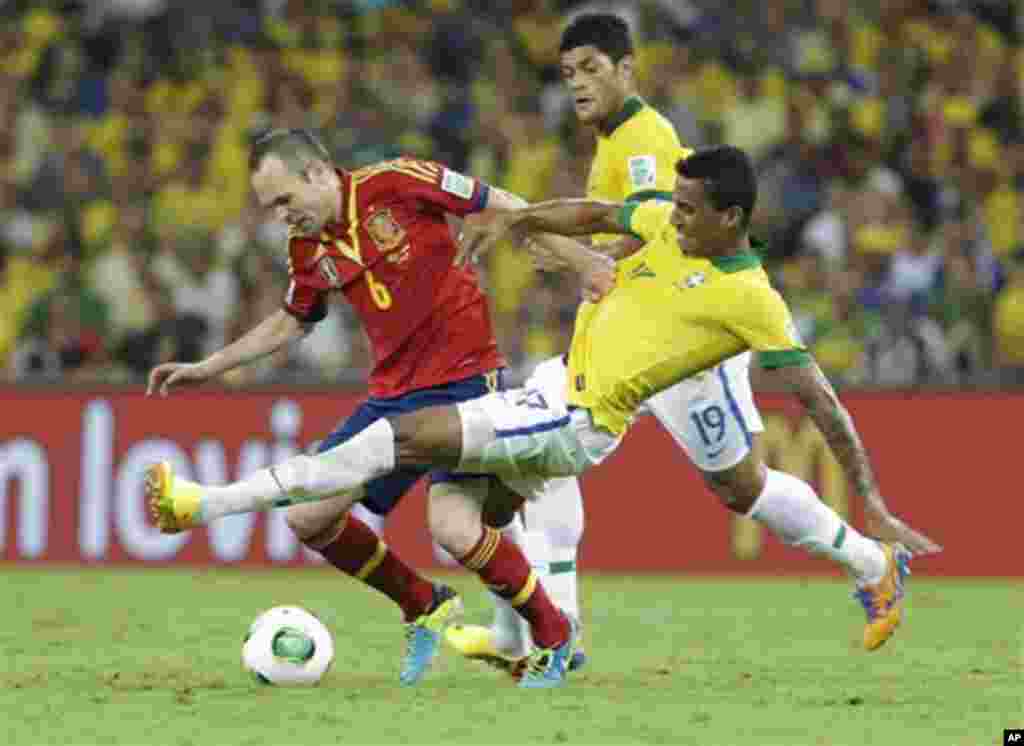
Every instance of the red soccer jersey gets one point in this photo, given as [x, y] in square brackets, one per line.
[427, 319]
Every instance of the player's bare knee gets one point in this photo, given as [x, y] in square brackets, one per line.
[738, 488]
[315, 523]
[454, 519]
[455, 534]
[303, 522]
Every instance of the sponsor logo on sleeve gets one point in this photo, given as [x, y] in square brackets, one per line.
[457, 184]
[643, 171]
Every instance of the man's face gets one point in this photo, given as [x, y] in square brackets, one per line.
[598, 86]
[702, 229]
[305, 202]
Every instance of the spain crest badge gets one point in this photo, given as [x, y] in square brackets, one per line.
[384, 230]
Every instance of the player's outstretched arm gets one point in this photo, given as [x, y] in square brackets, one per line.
[563, 217]
[548, 249]
[545, 260]
[267, 337]
[620, 248]
[822, 405]
[566, 217]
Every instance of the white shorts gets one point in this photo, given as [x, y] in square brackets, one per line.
[528, 435]
[712, 415]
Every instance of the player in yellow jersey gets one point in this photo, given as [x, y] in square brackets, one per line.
[712, 417]
[634, 161]
[720, 303]
[667, 315]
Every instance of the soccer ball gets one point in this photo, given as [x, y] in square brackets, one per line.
[288, 646]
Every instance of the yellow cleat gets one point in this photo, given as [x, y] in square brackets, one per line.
[477, 643]
[173, 503]
[882, 600]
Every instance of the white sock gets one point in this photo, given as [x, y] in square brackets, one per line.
[562, 584]
[511, 632]
[344, 468]
[559, 515]
[794, 513]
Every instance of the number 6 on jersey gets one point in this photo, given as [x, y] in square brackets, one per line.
[379, 292]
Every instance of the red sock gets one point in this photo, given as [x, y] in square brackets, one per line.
[504, 569]
[357, 551]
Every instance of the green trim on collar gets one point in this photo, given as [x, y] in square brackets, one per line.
[647, 194]
[632, 105]
[737, 262]
[784, 358]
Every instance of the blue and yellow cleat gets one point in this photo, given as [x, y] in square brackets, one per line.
[423, 636]
[546, 668]
[881, 601]
[477, 643]
[173, 503]
[579, 655]
[578, 660]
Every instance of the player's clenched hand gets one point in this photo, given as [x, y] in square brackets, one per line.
[885, 526]
[597, 276]
[480, 231]
[164, 376]
[543, 258]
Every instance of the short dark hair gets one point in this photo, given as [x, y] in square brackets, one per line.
[607, 32]
[728, 176]
[296, 148]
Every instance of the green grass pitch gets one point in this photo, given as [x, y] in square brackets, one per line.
[152, 657]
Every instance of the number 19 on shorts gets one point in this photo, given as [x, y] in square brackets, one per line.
[710, 423]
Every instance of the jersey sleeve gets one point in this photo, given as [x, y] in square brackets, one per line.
[439, 187]
[764, 322]
[646, 220]
[306, 296]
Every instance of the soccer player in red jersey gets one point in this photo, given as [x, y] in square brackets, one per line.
[379, 235]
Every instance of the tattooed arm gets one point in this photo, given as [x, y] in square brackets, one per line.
[822, 405]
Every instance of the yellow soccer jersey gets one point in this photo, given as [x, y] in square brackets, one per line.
[635, 159]
[671, 316]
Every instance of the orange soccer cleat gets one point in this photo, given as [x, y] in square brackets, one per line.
[881, 601]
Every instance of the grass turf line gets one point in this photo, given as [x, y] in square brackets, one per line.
[152, 657]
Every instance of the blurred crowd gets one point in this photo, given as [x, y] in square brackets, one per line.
[888, 135]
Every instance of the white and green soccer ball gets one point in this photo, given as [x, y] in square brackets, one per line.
[288, 646]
